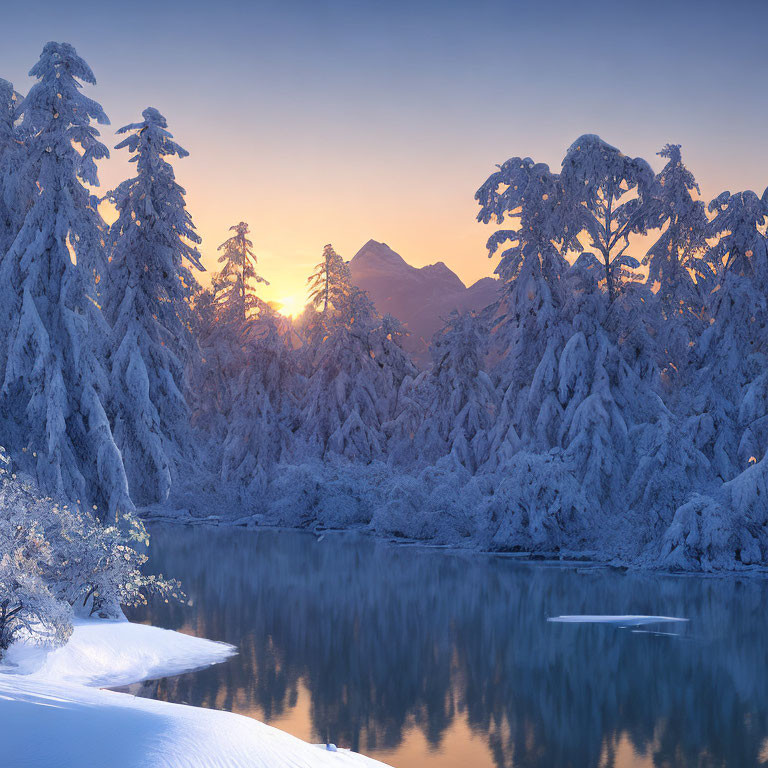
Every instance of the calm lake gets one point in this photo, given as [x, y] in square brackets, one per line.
[426, 658]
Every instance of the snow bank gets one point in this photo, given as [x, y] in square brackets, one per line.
[113, 653]
[72, 726]
[53, 713]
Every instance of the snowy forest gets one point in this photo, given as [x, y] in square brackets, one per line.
[612, 404]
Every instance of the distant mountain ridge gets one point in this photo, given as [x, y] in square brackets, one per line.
[419, 297]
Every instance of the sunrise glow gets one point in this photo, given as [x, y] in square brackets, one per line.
[290, 306]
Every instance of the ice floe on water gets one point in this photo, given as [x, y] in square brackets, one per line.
[629, 620]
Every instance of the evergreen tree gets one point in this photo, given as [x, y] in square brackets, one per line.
[594, 429]
[12, 208]
[11, 156]
[676, 262]
[262, 415]
[329, 285]
[608, 197]
[460, 400]
[54, 386]
[219, 364]
[728, 395]
[394, 363]
[343, 409]
[532, 268]
[239, 273]
[146, 301]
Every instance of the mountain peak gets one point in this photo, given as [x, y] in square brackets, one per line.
[374, 253]
[419, 298]
[440, 270]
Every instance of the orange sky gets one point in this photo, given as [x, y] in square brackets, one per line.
[343, 121]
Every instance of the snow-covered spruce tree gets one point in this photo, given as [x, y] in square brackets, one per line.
[146, 302]
[532, 265]
[727, 396]
[388, 352]
[676, 263]
[526, 338]
[400, 386]
[329, 285]
[594, 429]
[12, 207]
[609, 198]
[245, 396]
[613, 419]
[11, 156]
[262, 415]
[238, 299]
[621, 442]
[345, 403]
[460, 399]
[219, 365]
[54, 386]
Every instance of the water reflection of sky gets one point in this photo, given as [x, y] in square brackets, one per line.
[428, 658]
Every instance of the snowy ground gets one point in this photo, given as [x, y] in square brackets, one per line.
[53, 713]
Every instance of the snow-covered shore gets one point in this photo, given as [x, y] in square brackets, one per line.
[53, 713]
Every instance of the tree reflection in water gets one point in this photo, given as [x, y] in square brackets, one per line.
[386, 639]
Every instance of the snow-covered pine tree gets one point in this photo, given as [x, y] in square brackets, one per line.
[146, 302]
[329, 284]
[676, 263]
[12, 208]
[343, 409]
[262, 413]
[609, 198]
[532, 269]
[729, 394]
[460, 400]
[399, 387]
[395, 364]
[54, 386]
[11, 155]
[238, 299]
[220, 362]
[594, 429]
[532, 265]
[607, 370]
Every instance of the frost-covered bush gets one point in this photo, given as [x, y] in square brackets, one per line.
[56, 559]
[537, 505]
[429, 505]
[704, 536]
[29, 607]
[335, 493]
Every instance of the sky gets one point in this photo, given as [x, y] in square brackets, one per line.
[346, 120]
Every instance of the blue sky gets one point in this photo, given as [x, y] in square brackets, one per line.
[340, 121]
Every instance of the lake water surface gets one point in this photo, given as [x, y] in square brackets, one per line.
[430, 658]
